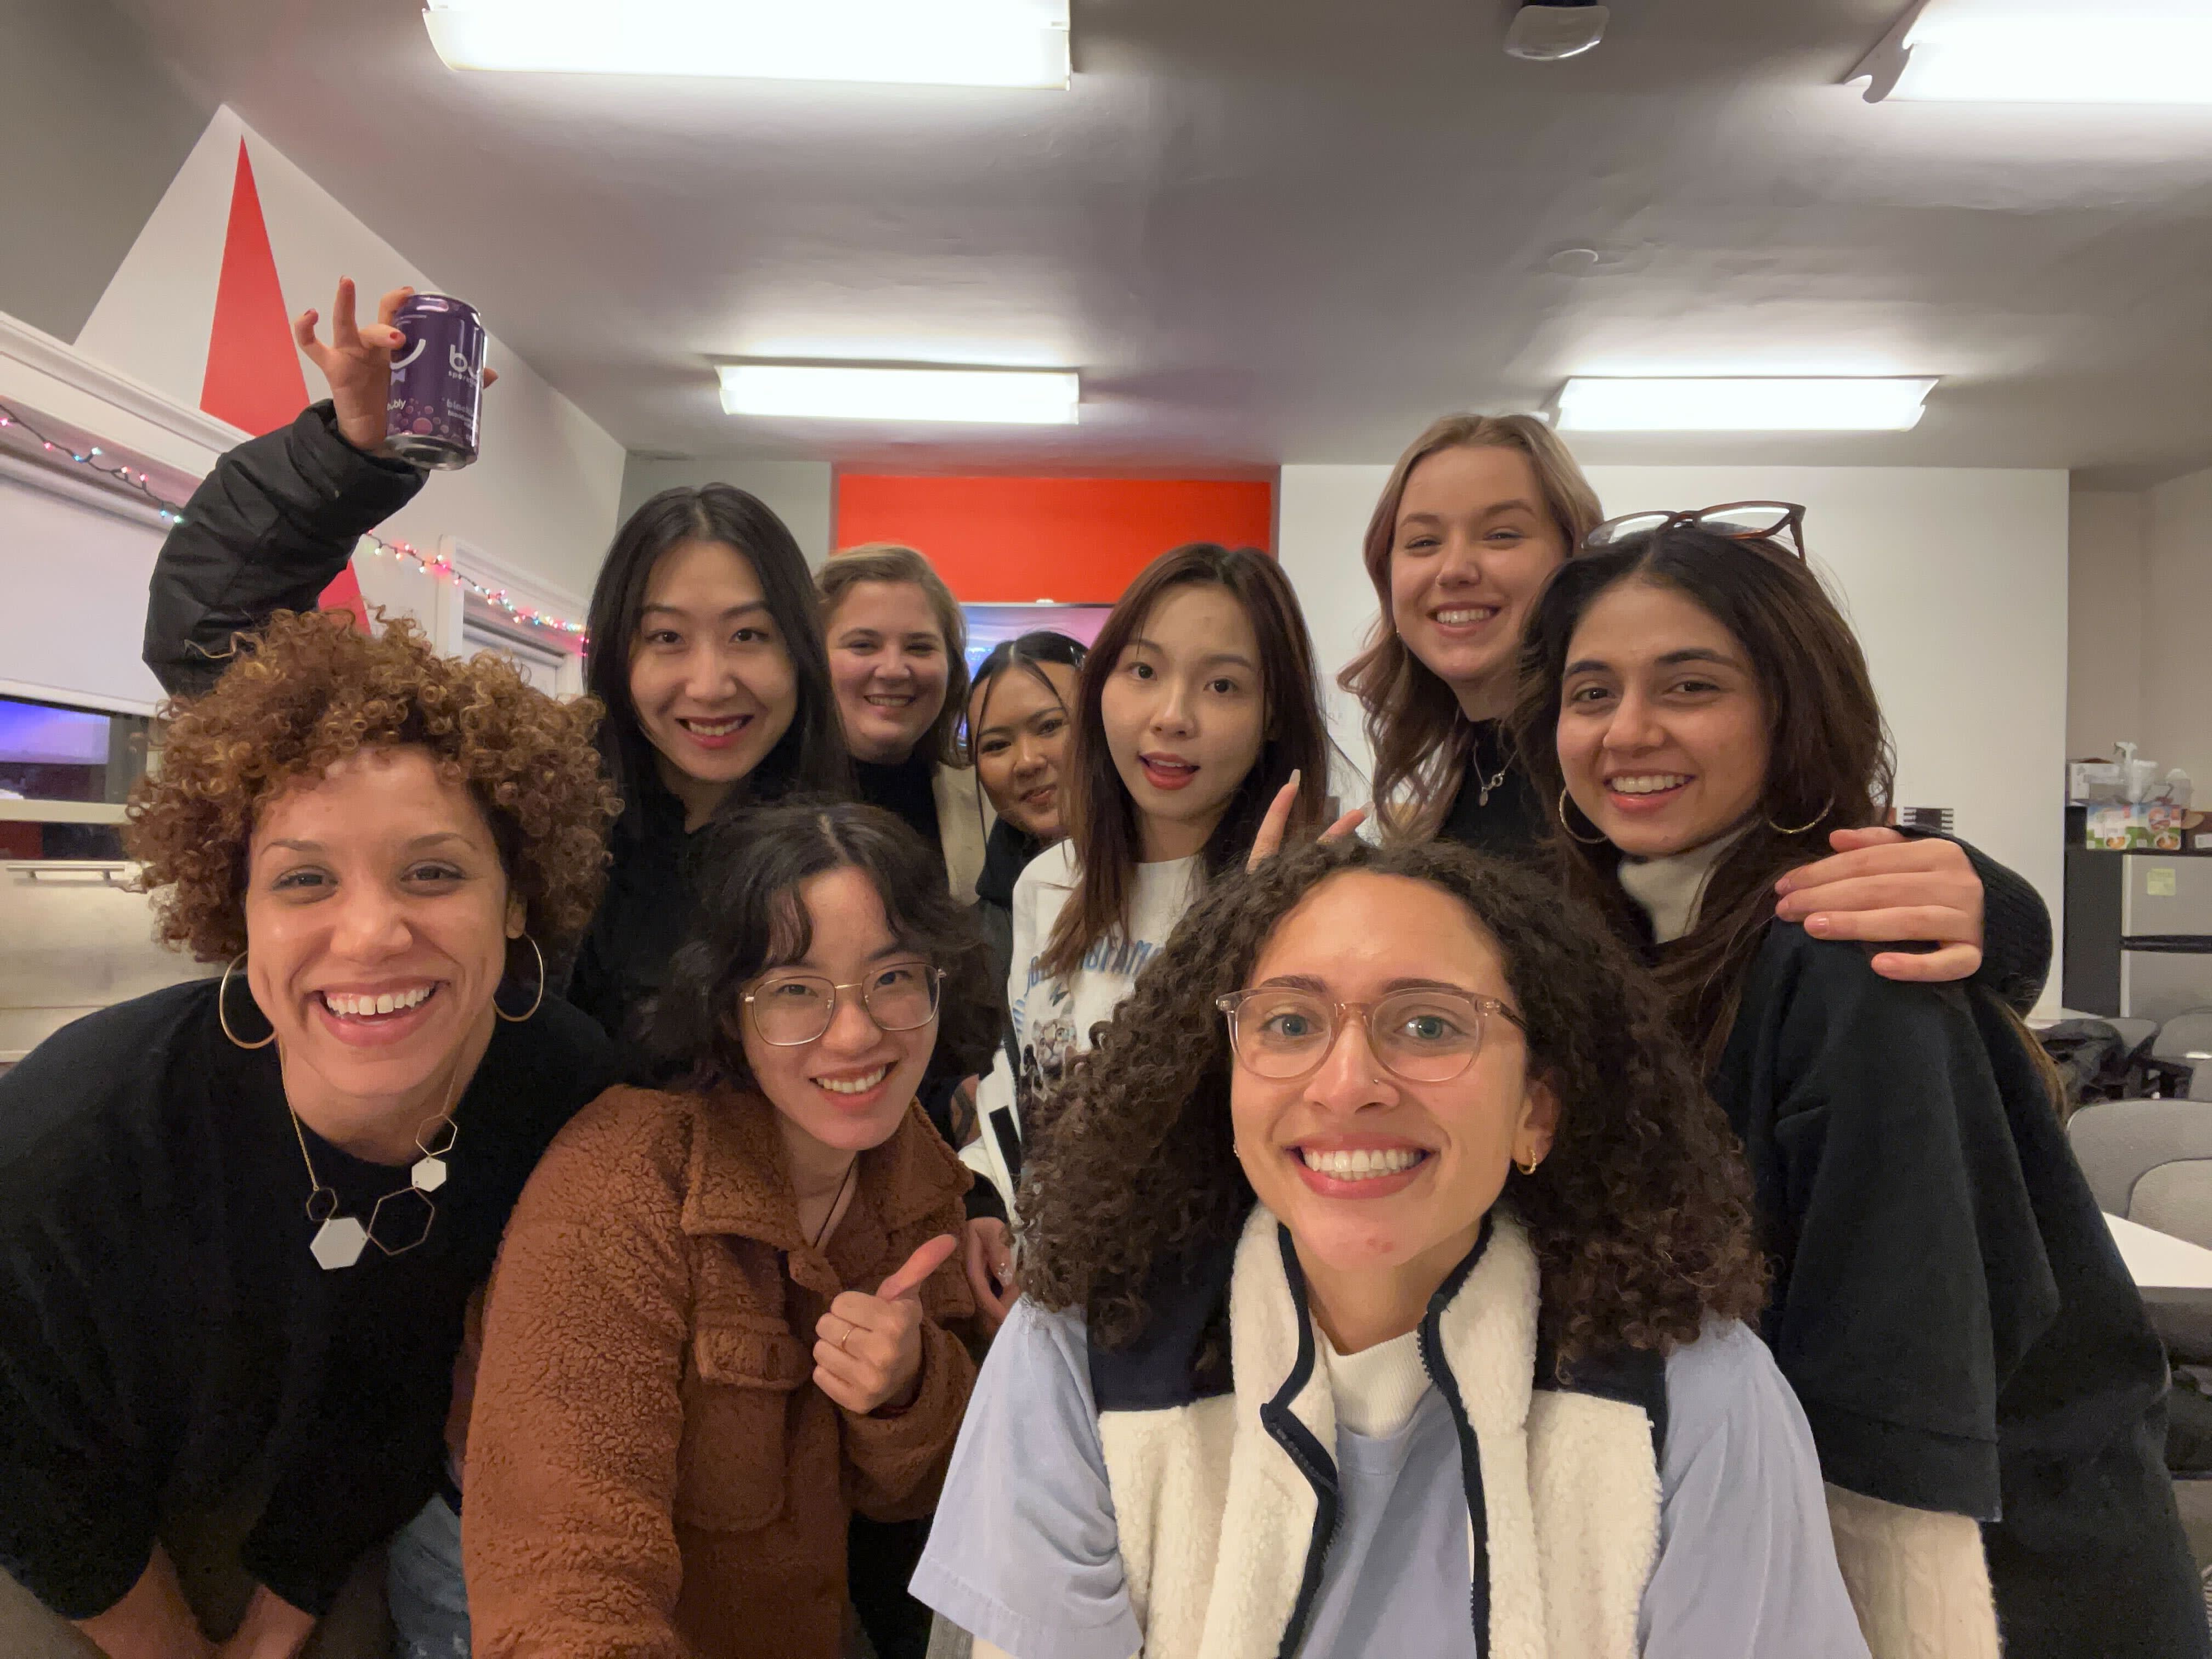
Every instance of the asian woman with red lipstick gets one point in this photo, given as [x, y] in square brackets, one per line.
[1198, 705]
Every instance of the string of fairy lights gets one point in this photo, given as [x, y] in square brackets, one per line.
[140, 484]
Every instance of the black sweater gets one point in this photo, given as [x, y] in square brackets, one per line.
[165, 1336]
[1948, 1304]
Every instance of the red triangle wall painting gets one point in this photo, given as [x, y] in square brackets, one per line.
[253, 378]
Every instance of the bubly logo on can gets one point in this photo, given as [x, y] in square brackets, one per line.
[437, 382]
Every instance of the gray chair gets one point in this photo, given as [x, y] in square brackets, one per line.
[2150, 1162]
[2187, 1040]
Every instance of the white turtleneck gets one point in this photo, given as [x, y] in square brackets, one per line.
[1377, 1389]
[1671, 888]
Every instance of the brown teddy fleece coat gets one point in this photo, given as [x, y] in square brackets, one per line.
[652, 1472]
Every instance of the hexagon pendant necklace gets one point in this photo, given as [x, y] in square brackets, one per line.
[339, 1240]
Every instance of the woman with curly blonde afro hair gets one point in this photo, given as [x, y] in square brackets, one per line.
[1385, 1269]
[241, 1219]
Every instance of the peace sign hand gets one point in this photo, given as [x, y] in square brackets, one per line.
[1277, 823]
[867, 1351]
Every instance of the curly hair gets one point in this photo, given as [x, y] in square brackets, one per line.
[308, 691]
[1640, 1218]
[750, 919]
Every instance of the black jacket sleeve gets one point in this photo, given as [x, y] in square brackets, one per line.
[267, 531]
[1915, 1277]
[2015, 935]
[2016, 932]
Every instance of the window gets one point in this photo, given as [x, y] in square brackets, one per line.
[65, 776]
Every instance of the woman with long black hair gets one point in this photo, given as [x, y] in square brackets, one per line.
[1020, 717]
[1982, 1381]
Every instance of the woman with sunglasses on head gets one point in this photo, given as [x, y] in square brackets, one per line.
[1019, 719]
[725, 1318]
[1477, 515]
[704, 645]
[899, 659]
[1983, 1383]
[1198, 706]
[240, 1218]
[1384, 1271]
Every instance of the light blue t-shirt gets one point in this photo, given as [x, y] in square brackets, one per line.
[1024, 1553]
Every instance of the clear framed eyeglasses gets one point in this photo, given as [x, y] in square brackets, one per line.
[789, 1010]
[1423, 1034]
[1781, 522]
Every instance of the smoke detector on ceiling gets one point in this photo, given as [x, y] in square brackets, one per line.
[1544, 32]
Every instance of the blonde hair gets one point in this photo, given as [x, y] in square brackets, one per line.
[888, 562]
[1414, 726]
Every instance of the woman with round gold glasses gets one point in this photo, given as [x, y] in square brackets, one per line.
[726, 1316]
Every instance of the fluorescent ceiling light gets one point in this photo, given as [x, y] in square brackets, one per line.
[2045, 51]
[1003, 397]
[1742, 405]
[966, 43]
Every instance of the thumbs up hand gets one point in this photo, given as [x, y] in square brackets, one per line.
[867, 1349]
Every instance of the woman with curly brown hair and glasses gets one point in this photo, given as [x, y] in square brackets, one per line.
[1384, 1273]
[241, 1218]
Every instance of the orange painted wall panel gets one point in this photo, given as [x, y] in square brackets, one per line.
[1078, 541]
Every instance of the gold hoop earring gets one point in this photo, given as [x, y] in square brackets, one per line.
[1827, 807]
[1587, 841]
[223, 1008]
[1527, 1169]
[517, 1019]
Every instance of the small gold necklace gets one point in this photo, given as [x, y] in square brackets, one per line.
[836, 1199]
[339, 1239]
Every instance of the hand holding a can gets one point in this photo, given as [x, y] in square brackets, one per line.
[357, 363]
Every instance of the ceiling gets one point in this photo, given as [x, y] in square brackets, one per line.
[1276, 231]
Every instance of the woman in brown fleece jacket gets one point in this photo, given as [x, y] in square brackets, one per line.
[725, 1318]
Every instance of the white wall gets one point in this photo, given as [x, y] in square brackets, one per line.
[2107, 546]
[1956, 579]
[2177, 689]
[800, 493]
[542, 496]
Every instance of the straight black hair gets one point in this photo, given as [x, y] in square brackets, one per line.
[811, 756]
[1100, 817]
[1029, 652]
[751, 918]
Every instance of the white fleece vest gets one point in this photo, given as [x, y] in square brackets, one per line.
[1216, 1519]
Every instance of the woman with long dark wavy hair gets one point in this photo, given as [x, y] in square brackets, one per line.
[1383, 1273]
[1198, 706]
[1981, 1379]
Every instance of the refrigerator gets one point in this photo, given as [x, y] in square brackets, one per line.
[2138, 933]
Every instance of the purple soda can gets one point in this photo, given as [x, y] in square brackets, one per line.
[437, 382]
